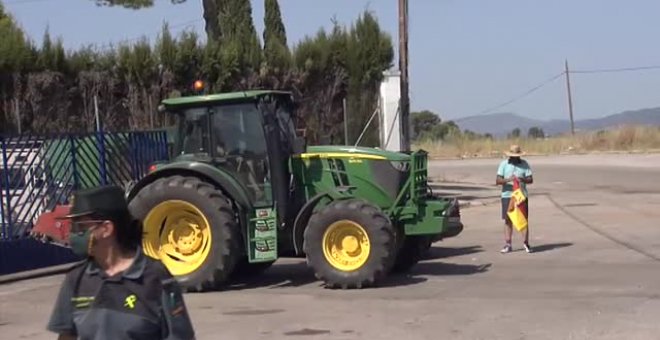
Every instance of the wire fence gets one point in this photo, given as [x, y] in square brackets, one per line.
[39, 172]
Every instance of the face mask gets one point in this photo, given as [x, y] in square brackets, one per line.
[81, 243]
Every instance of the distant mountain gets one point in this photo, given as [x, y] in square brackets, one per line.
[501, 124]
[497, 124]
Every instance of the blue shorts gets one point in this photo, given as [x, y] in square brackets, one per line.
[505, 207]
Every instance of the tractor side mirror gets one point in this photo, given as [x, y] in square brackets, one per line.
[299, 145]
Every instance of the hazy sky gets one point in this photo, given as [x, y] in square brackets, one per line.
[465, 56]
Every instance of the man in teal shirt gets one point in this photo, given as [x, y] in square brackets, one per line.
[513, 166]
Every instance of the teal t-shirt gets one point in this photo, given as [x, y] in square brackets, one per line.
[507, 169]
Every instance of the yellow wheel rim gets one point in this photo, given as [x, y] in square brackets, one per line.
[178, 234]
[346, 245]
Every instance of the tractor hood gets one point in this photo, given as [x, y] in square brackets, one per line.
[358, 152]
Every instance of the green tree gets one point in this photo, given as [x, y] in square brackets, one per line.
[55, 90]
[423, 123]
[535, 132]
[15, 57]
[515, 133]
[322, 62]
[276, 51]
[273, 26]
[370, 53]
[210, 7]
[14, 47]
[241, 51]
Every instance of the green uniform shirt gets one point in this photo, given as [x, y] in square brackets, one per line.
[143, 302]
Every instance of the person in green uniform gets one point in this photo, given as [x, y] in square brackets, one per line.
[116, 292]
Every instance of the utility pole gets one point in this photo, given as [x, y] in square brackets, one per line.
[403, 68]
[570, 97]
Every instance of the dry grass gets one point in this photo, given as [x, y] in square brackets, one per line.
[624, 139]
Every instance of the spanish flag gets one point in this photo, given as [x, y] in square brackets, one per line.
[517, 212]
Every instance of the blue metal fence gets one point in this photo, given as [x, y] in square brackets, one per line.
[38, 172]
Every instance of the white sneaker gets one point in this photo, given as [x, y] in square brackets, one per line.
[528, 249]
[506, 249]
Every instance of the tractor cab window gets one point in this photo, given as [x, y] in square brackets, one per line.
[194, 132]
[239, 140]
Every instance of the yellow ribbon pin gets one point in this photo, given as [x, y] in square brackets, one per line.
[130, 301]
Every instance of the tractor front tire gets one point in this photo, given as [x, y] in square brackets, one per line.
[350, 244]
[190, 226]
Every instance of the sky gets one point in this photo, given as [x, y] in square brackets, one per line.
[466, 56]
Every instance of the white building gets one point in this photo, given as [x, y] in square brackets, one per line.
[389, 115]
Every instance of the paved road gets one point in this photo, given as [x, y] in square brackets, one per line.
[595, 274]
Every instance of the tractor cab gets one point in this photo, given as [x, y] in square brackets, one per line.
[250, 135]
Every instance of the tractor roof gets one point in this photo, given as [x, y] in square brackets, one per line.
[219, 97]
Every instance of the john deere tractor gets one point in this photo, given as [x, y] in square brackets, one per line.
[243, 190]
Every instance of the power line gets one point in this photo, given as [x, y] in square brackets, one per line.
[524, 94]
[185, 24]
[623, 69]
[21, 2]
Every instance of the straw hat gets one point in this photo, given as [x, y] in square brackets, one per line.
[514, 151]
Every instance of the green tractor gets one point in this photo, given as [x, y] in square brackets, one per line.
[243, 190]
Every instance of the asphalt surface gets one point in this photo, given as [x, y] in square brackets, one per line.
[594, 273]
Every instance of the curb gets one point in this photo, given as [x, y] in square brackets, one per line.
[36, 273]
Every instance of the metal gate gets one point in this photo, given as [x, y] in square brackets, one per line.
[39, 172]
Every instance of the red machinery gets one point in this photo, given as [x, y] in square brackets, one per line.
[50, 228]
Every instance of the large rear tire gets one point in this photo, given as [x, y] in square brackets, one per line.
[191, 227]
[350, 244]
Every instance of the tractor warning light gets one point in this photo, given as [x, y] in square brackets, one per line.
[198, 85]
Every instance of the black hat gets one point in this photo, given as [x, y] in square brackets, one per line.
[106, 201]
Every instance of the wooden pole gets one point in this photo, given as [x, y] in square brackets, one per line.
[570, 97]
[403, 67]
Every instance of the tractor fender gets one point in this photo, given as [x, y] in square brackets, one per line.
[303, 217]
[207, 172]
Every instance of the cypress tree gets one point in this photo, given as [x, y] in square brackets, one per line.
[239, 37]
[273, 25]
[276, 51]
